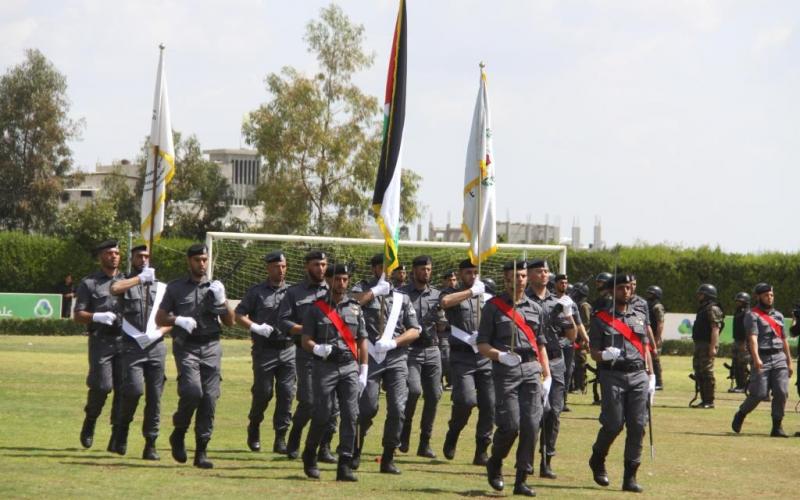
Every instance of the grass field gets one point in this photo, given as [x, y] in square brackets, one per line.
[42, 394]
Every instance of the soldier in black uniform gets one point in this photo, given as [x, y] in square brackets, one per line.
[98, 309]
[291, 313]
[656, 312]
[511, 335]
[472, 373]
[618, 337]
[194, 307]
[335, 334]
[424, 360]
[143, 367]
[399, 276]
[741, 354]
[273, 354]
[449, 280]
[705, 334]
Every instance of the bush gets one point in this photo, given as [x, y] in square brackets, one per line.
[65, 327]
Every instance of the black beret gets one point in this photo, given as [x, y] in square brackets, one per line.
[422, 260]
[138, 248]
[400, 267]
[537, 264]
[316, 255]
[466, 264]
[197, 249]
[560, 276]
[448, 274]
[509, 266]
[621, 279]
[276, 256]
[106, 245]
[376, 260]
[762, 288]
[335, 269]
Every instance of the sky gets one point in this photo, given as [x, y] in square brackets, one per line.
[670, 121]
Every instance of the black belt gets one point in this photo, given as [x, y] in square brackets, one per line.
[200, 339]
[622, 366]
[461, 347]
[769, 352]
[338, 356]
[425, 342]
[527, 355]
[273, 343]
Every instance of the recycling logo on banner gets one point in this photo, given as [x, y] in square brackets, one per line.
[43, 309]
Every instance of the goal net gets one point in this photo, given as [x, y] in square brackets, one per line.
[237, 258]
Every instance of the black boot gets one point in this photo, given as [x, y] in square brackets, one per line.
[777, 429]
[149, 452]
[387, 462]
[176, 442]
[122, 440]
[738, 420]
[253, 437]
[344, 471]
[310, 463]
[480, 457]
[405, 438]
[87, 432]
[112, 441]
[424, 449]
[520, 487]
[598, 465]
[629, 478]
[325, 456]
[494, 472]
[355, 462]
[200, 457]
[449, 448]
[293, 445]
[544, 467]
[279, 446]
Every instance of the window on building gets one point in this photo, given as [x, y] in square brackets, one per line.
[86, 193]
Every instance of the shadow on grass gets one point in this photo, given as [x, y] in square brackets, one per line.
[133, 465]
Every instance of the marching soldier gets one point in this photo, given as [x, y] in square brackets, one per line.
[195, 306]
[142, 367]
[424, 360]
[772, 360]
[511, 335]
[449, 280]
[98, 309]
[618, 337]
[741, 354]
[392, 325]
[562, 288]
[273, 354]
[292, 311]
[705, 334]
[560, 330]
[657, 313]
[399, 276]
[335, 334]
[580, 294]
[471, 373]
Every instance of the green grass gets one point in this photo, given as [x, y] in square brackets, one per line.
[42, 393]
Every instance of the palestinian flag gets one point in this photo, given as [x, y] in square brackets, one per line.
[386, 200]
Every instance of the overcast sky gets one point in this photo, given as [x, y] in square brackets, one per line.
[672, 121]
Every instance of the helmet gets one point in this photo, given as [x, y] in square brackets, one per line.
[762, 288]
[580, 290]
[490, 285]
[708, 290]
[742, 297]
[604, 276]
[655, 291]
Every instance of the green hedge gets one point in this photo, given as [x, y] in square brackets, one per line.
[57, 327]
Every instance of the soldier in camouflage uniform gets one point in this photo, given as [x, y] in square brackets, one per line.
[741, 354]
[705, 334]
[657, 314]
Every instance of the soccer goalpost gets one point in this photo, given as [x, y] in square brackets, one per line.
[237, 258]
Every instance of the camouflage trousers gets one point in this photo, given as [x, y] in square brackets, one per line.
[704, 371]
[741, 362]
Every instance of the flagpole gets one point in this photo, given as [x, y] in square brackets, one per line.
[154, 181]
[480, 207]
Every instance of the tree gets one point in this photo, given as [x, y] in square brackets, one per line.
[91, 224]
[321, 138]
[34, 130]
[126, 202]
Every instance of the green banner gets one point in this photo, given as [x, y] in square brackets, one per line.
[30, 305]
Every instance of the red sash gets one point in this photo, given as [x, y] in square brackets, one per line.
[340, 325]
[624, 329]
[518, 320]
[770, 321]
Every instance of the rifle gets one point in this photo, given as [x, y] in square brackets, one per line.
[731, 373]
[204, 304]
[696, 389]
[595, 384]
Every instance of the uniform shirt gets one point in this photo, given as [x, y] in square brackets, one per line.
[295, 303]
[133, 304]
[657, 314]
[423, 302]
[602, 335]
[322, 331]
[757, 326]
[554, 322]
[372, 313]
[94, 295]
[261, 303]
[187, 297]
[585, 309]
[739, 333]
[640, 304]
[497, 329]
[463, 315]
[709, 315]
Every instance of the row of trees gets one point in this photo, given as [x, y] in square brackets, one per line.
[319, 136]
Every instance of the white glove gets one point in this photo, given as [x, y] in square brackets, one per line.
[610, 353]
[106, 318]
[263, 329]
[381, 288]
[478, 288]
[362, 378]
[147, 276]
[566, 305]
[385, 345]
[651, 387]
[187, 323]
[323, 350]
[547, 383]
[218, 289]
[509, 358]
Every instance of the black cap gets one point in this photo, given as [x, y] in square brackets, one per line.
[276, 256]
[560, 277]
[138, 248]
[448, 274]
[422, 260]
[105, 246]
[762, 288]
[197, 249]
[466, 264]
[335, 269]
[315, 255]
[537, 263]
[400, 267]
[376, 260]
[509, 266]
